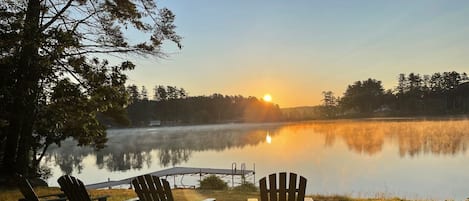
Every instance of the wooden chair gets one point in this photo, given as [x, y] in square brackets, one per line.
[282, 192]
[29, 194]
[152, 188]
[75, 190]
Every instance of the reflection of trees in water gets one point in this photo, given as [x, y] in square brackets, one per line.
[131, 148]
[175, 156]
[439, 137]
[122, 160]
[413, 137]
[68, 159]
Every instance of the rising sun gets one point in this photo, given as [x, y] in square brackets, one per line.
[267, 98]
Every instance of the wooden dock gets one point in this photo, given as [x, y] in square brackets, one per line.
[177, 171]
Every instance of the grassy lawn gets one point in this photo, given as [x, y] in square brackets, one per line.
[179, 195]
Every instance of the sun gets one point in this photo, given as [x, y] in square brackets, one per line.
[267, 98]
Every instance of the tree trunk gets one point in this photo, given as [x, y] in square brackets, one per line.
[17, 154]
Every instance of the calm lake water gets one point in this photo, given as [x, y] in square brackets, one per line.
[416, 159]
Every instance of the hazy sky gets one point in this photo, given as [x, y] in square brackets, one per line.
[294, 50]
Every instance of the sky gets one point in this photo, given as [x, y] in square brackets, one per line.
[295, 50]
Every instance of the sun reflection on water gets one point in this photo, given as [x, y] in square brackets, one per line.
[268, 138]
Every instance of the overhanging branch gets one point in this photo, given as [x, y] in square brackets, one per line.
[69, 3]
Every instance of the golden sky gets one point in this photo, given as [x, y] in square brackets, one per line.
[294, 50]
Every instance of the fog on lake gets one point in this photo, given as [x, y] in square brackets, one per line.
[406, 158]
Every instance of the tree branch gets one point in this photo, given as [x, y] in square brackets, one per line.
[43, 153]
[84, 21]
[103, 51]
[62, 18]
[69, 3]
[73, 74]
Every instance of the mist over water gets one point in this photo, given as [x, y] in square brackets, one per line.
[406, 158]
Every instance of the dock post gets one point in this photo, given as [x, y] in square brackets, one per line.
[254, 173]
[233, 172]
[243, 175]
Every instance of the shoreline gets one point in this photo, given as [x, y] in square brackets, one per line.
[387, 118]
[199, 194]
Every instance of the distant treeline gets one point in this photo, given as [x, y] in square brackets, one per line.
[173, 106]
[444, 93]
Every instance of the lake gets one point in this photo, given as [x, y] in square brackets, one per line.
[415, 159]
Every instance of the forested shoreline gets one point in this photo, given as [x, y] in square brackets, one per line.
[439, 94]
[171, 105]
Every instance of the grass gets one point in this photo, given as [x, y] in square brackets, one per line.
[180, 195]
[115, 194]
[228, 195]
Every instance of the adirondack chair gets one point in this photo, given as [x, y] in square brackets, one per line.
[75, 190]
[282, 192]
[152, 188]
[29, 194]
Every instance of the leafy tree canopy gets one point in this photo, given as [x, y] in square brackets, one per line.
[364, 96]
[53, 83]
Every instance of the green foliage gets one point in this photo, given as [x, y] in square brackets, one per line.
[246, 187]
[213, 182]
[439, 93]
[415, 94]
[363, 96]
[51, 87]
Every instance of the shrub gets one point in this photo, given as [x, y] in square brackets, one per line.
[246, 187]
[213, 182]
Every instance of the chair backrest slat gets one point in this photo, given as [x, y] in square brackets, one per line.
[73, 188]
[167, 189]
[159, 188]
[282, 189]
[152, 188]
[292, 187]
[302, 189]
[273, 187]
[26, 189]
[144, 189]
[263, 189]
[293, 193]
[138, 189]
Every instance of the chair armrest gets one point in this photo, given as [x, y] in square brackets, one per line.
[60, 195]
[57, 199]
[100, 198]
[133, 199]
